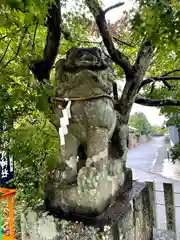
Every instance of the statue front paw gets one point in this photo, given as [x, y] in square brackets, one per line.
[65, 177]
[89, 178]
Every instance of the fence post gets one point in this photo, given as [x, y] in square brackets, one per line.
[152, 202]
[169, 206]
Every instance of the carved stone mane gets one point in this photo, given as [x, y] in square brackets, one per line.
[89, 58]
[85, 72]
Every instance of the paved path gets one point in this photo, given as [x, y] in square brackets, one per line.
[148, 163]
[144, 156]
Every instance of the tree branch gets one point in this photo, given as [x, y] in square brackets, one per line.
[12, 33]
[162, 78]
[67, 35]
[3, 37]
[159, 79]
[166, 74]
[41, 68]
[152, 87]
[30, 39]
[125, 43]
[167, 84]
[173, 71]
[144, 57]
[4, 54]
[118, 57]
[18, 49]
[156, 102]
[113, 6]
[35, 30]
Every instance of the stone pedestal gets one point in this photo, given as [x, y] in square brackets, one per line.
[128, 218]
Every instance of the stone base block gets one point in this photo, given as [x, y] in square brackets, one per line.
[128, 218]
[87, 201]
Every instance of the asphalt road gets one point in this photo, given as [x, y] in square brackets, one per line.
[143, 157]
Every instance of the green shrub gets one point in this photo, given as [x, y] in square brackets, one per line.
[175, 152]
[35, 148]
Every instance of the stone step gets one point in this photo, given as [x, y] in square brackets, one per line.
[161, 234]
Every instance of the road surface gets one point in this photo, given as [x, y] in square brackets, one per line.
[149, 163]
[144, 156]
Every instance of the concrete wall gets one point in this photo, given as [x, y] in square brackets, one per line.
[134, 140]
[174, 135]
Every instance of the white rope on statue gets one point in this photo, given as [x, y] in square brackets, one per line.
[64, 121]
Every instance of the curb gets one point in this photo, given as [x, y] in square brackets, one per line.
[157, 174]
[171, 143]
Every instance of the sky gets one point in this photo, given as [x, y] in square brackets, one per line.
[151, 113]
[114, 14]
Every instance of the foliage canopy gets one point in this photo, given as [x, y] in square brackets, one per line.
[141, 123]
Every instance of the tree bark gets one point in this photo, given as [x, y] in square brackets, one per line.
[41, 68]
[116, 56]
[156, 102]
[159, 79]
[132, 85]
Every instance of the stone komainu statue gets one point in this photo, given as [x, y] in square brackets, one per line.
[95, 135]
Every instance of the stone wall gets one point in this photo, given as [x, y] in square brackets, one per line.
[134, 140]
[129, 218]
[174, 134]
